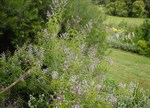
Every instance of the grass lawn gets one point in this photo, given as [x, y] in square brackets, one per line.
[127, 67]
[114, 20]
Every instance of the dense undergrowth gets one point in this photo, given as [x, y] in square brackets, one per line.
[65, 69]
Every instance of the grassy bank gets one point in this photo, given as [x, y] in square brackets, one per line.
[127, 67]
[114, 20]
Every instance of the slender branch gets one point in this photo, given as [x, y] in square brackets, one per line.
[22, 77]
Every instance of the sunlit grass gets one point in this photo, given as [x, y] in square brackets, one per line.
[127, 67]
[132, 22]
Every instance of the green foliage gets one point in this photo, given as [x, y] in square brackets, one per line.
[143, 31]
[66, 65]
[53, 61]
[12, 68]
[134, 97]
[121, 8]
[144, 47]
[143, 38]
[37, 102]
[138, 8]
[130, 8]
[19, 22]
[91, 18]
[111, 8]
[147, 8]
[117, 8]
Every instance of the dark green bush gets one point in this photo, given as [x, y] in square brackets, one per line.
[143, 38]
[127, 8]
[143, 47]
[117, 8]
[138, 8]
[20, 20]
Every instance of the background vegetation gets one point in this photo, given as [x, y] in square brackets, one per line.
[127, 8]
[20, 20]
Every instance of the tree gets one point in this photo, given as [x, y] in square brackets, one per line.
[121, 8]
[117, 8]
[138, 8]
[20, 20]
[147, 7]
[111, 8]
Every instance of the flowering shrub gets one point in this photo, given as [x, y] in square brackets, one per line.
[62, 71]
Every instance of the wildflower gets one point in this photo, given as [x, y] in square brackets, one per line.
[133, 34]
[83, 47]
[121, 85]
[46, 70]
[55, 74]
[117, 35]
[48, 15]
[75, 106]
[46, 32]
[60, 98]
[98, 87]
[129, 36]
[66, 66]
[92, 83]
[66, 50]
[76, 89]
[114, 29]
[112, 99]
[101, 98]
[39, 63]
[132, 86]
[89, 26]
[91, 68]
[84, 82]
[73, 78]
[110, 61]
[64, 35]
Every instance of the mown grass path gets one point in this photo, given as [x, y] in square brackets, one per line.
[132, 22]
[127, 67]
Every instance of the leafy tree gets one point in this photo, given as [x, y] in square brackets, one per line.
[111, 8]
[147, 7]
[20, 20]
[138, 8]
[133, 8]
[117, 8]
[121, 8]
[143, 31]
[129, 6]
